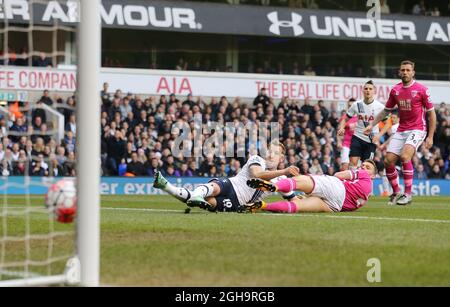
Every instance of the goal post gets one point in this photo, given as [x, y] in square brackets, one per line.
[35, 250]
[88, 140]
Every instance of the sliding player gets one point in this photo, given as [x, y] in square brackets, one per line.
[345, 191]
[231, 194]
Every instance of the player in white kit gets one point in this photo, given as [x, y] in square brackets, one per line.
[363, 146]
[231, 194]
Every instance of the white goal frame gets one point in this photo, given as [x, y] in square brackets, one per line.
[84, 269]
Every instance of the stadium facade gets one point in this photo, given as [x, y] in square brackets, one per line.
[210, 36]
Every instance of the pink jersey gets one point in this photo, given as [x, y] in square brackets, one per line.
[357, 190]
[349, 130]
[413, 102]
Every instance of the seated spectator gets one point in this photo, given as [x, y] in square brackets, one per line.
[55, 168]
[181, 65]
[420, 172]
[151, 167]
[435, 12]
[116, 148]
[43, 61]
[36, 169]
[183, 171]
[71, 125]
[6, 168]
[419, 8]
[61, 155]
[262, 99]
[135, 166]
[309, 71]
[46, 98]
[122, 168]
[18, 129]
[384, 9]
[70, 165]
[436, 172]
[22, 59]
[42, 132]
[39, 111]
[170, 171]
[69, 141]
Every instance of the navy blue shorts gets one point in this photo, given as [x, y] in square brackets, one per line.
[362, 149]
[227, 200]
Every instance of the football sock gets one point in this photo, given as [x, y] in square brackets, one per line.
[286, 185]
[179, 193]
[408, 174]
[392, 176]
[204, 190]
[281, 207]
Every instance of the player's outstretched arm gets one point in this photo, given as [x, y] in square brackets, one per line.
[342, 124]
[257, 172]
[382, 115]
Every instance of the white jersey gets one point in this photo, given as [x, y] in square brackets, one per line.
[366, 113]
[244, 193]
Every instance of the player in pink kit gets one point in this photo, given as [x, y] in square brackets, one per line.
[345, 191]
[413, 102]
[347, 140]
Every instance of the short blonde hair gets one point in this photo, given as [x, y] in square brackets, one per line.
[279, 144]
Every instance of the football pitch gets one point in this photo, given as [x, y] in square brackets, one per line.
[150, 241]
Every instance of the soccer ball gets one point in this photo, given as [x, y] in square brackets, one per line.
[61, 199]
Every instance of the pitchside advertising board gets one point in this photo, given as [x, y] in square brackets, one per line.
[184, 16]
[144, 186]
[15, 80]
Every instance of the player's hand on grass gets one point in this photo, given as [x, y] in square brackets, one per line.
[292, 171]
[429, 142]
[368, 130]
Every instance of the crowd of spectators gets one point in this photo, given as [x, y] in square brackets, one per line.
[29, 143]
[23, 59]
[137, 136]
[295, 68]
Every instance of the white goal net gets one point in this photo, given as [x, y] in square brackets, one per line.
[40, 143]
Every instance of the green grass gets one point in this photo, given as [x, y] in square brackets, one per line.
[165, 247]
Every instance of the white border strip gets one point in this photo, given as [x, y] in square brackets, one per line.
[294, 215]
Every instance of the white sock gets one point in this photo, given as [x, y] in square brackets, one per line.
[179, 193]
[204, 190]
[386, 185]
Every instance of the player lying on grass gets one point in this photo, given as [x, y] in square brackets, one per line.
[345, 191]
[231, 194]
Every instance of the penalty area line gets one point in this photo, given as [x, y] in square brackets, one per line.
[293, 215]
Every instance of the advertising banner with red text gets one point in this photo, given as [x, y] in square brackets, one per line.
[182, 83]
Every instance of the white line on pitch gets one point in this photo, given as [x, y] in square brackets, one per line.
[296, 215]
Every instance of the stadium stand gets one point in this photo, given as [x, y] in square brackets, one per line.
[137, 139]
